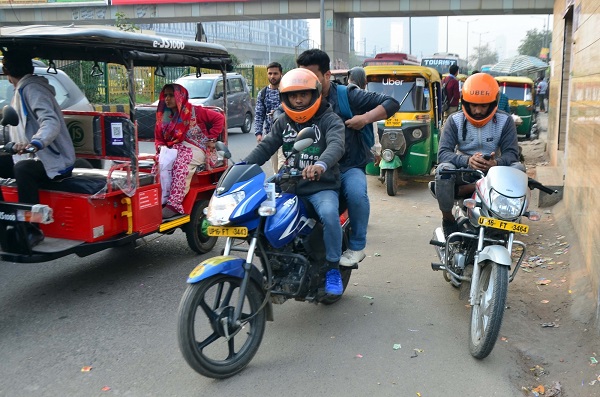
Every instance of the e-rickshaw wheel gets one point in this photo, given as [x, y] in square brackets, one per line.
[195, 231]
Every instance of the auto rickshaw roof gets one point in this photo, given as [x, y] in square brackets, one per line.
[514, 79]
[430, 73]
[459, 77]
[112, 46]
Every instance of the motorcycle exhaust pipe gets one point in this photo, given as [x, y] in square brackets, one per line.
[439, 241]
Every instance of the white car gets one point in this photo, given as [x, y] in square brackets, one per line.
[68, 95]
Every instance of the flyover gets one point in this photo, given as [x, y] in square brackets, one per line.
[335, 22]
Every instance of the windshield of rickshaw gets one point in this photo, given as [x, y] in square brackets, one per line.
[111, 136]
[519, 92]
[402, 88]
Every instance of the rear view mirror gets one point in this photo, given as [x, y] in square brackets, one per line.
[221, 147]
[9, 116]
[304, 139]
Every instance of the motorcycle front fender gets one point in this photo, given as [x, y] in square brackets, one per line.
[390, 165]
[230, 265]
[497, 254]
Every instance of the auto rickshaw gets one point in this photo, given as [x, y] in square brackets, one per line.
[409, 139]
[520, 92]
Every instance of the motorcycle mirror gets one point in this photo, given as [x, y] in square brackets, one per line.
[305, 138]
[221, 147]
[9, 116]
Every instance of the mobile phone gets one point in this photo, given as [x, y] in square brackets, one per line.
[487, 156]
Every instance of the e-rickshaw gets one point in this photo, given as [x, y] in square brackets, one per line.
[96, 208]
[409, 139]
[520, 92]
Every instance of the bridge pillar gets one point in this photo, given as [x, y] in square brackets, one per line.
[337, 39]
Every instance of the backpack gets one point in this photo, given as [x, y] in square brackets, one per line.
[367, 130]
[261, 96]
[445, 100]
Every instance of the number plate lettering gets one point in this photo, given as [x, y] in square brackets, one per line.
[503, 225]
[220, 231]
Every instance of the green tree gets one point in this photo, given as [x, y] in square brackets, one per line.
[123, 23]
[483, 55]
[534, 41]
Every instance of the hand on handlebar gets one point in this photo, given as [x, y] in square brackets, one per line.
[312, 172]
[478, 162]
[22, 148]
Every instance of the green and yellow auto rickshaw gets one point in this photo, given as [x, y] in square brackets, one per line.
[520, 92]
[409, 139]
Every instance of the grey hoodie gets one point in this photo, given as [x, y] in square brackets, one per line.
[45, 126]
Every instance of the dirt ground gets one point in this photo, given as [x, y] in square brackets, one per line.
[549, 321]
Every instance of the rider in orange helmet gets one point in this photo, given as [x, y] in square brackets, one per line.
[303, 105]
[478, 137]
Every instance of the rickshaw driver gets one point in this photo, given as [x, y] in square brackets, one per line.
[41, 130]
[367, 107]
[469, 135]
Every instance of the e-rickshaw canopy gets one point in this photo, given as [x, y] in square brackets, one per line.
[113, 46]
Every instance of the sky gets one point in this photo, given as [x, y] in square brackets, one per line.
[503, 33]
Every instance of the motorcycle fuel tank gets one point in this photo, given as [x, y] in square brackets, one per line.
[290, 219]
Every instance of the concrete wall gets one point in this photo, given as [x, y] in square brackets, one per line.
[574, 126]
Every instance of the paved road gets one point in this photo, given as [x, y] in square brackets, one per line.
[116, 312]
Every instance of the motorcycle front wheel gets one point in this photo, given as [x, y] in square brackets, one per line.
[211, 343]
[486, 317]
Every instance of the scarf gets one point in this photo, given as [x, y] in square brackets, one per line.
[174, 125]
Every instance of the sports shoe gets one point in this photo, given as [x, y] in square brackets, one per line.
[351, 258]
[333, 282]
[449, 227]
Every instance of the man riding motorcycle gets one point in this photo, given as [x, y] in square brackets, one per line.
[478, 137]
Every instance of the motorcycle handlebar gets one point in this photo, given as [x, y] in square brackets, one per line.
[533, 184]
[8, 148]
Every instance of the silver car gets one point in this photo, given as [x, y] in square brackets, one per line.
[207, 90]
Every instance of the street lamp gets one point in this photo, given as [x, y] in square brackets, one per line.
[468, 22]
[544, 32]
[479, 49]
[299, 44]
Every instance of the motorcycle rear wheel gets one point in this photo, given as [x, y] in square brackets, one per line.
[203, 310]
[486, 317]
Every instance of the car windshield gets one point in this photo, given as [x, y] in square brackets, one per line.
[398, 87]
[519, 93]
[197, 88]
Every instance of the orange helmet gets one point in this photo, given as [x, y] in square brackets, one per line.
[480, 89]
[300, 80]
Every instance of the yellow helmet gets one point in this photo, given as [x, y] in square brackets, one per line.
[300, 80]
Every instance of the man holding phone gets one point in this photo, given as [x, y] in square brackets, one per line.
[478, 137]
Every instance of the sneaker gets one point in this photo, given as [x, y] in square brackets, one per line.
[449, 227]
[168, 212]
[333, 282]
[351, 258]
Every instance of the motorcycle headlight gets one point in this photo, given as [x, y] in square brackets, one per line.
[506, 207]
[220, 208]
[387, 155]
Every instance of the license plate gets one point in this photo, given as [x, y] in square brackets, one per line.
[222, 231]
[393, 121]
[503, 225]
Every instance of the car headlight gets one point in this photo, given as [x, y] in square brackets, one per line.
[387, 155]
[220, 208]
[506, 207]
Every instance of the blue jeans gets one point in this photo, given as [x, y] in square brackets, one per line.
[326, 204]
[354, 189]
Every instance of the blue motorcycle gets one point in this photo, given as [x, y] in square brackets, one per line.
[223, 312]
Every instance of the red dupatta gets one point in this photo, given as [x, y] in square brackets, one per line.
[173, 127]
